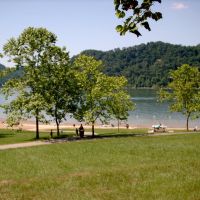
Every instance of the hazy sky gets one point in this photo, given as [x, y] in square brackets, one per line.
[90, 24]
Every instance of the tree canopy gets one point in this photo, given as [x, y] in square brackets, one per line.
[98, 91]
[58, 83]
[184, 91]
[28, 51]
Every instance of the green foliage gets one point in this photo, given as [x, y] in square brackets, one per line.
[184, 91]
[98, 91]
[14, 119]
[136, 13]
[89, 78]
[28, 51]
[58, 83]
[147, 65]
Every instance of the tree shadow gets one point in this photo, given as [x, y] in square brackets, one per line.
[72, 138]
[121, 135]
[6, 135]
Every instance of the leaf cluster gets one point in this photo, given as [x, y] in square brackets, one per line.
[136, 13]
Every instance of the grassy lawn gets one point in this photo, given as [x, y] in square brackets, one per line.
[12, 136]
[121, 168]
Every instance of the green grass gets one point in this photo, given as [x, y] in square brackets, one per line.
[8, 136]
[119, 168]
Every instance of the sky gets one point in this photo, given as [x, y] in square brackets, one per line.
[90, 24]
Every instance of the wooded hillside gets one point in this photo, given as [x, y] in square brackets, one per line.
[147, 65]
[13, 74]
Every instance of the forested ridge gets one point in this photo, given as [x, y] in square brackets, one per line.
[144, 65]
[147, 65]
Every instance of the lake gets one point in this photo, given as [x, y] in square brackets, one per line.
[148, 112]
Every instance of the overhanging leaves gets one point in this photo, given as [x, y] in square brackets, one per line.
[140, 12]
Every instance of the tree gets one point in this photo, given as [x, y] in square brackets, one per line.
[97, 90]
[142, 13]
[27, 52]
[23, 106]
[121, 103]
[14, 118]
[59, 87]
[183, 91]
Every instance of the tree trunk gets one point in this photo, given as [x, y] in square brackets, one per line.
[118, 125]
[187, 122]
[92, 129]
[37, 128]
[58, 129]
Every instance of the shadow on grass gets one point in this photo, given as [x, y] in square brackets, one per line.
[5, 135]
[71, 138]
[120, 135]
[23, 136]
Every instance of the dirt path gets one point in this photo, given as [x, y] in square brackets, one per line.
[21, 145]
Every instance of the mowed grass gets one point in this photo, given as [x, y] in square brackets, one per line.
[121, 168]
[8, 136]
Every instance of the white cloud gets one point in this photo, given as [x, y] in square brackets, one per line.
[179, 6]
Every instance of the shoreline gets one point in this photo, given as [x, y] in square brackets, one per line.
[30, 126]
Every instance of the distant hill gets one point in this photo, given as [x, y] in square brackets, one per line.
[9, 76]
[147, 65]
[2, 80]
[2, 67]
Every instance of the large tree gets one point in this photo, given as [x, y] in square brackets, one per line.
[27, 51]
[136, 13]
[184, 91]
[97, 91]
[59, 86]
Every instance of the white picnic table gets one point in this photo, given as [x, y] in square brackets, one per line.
[159, 128]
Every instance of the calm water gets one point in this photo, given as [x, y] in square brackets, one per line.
[148, 111]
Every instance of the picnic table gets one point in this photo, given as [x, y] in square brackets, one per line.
[159, 128]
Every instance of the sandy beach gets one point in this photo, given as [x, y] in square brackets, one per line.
[30, 126]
